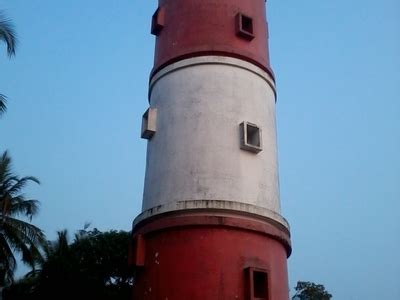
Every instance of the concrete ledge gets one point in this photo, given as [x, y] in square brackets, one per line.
[219, 205]
[212, 60]
[213, 218]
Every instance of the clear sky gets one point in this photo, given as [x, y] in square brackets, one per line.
[78, 87]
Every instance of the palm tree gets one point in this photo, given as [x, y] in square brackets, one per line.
[50, 276]
[16, 235]
[7, 35]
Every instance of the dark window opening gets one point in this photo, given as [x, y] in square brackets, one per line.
[253, 135]
[257, 284]
[260, 284]
[247, 24]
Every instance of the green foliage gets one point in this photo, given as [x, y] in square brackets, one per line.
[310, 291]
[93, 266]
[16, 235]
[7, 35]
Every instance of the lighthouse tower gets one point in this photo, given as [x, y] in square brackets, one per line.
[210, 226]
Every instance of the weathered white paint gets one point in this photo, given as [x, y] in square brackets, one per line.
[194, 159]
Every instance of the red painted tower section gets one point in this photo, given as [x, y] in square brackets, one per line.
[209, 255]
[196, 239]
[204, 27]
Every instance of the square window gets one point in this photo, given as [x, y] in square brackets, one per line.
[257, 284]
[158, 21]
[250, 137]
[149, 122]
[244, 27]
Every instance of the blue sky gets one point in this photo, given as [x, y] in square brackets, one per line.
[78, 87]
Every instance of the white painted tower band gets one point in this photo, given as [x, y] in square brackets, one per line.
[194, 159]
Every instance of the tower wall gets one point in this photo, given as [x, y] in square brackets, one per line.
[206, 27]
[195, 159]
[209, 255]
[211, 226]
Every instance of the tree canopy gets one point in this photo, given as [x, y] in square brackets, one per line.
[310, 291]
[93, 266]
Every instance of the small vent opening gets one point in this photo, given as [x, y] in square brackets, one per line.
[260, 284]
[250, 137]
[257, 284]
[244, 27]
[247, 24]
[253, 135]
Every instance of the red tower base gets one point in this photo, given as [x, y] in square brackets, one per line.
[207, 255]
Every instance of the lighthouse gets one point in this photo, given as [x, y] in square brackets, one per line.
[211, 226]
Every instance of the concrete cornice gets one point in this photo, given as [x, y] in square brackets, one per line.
[218, 205]
[212, 60]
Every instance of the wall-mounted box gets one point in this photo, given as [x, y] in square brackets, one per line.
[158, 21]
[244, 27]
[137, 251]
[250, 137]
[149, 123]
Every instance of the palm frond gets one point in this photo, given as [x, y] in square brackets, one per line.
[5, 167]
[6, 184]
[6, 256]
[31, 233]
[8, 35]
[59, 247]
[37, 254]
[62, 243]
[82, 233]
[19, 205]
[86, 225]
[33, 273]
[25, 243]
[19, 244]
[7, 262]
[3, 104]
[5, 157]
[21, 183]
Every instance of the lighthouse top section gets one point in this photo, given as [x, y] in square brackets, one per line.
[192, 28]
